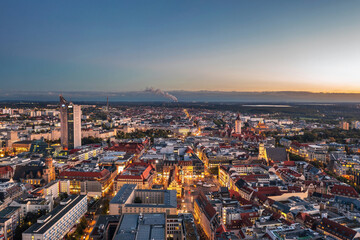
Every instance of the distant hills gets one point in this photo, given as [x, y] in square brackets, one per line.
[183, 96]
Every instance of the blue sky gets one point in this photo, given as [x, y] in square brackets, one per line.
[180, 45]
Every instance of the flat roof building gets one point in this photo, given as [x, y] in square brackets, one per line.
[142, 227]
[129, 199]
[70, 118]
[9, 220]
[57, 223]
[105, 227]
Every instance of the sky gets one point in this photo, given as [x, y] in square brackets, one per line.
[117, 46]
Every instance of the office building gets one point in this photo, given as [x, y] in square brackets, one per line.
[70, 120]
[174, 227]
[9, 220]
[142, 227]
[58, 222]
[105, 227]
[89, 179]
[129, 199]
[32, 205]
[138, 173]
[206, 216]
[344, 125]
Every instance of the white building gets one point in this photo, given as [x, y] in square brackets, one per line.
[32, 205]
[59, 222]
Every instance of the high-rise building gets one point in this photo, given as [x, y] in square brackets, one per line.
[344, 125]
[70, 118]
[355, 124]
[238, 125]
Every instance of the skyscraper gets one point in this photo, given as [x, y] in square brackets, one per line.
[70, 118]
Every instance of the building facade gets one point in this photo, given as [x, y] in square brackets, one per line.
[129, 199]
[58, 222]
[70, 118]
[238, 125]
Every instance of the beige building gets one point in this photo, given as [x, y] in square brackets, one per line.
[52, 135]
[129, 199]
[98, 133]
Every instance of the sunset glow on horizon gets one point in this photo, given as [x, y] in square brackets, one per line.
[181, 45]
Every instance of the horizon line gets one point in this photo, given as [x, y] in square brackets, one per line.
[224, 91]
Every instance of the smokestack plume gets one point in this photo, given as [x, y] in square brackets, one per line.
[161, 93]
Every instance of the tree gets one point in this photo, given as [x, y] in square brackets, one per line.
[90, 140]
[63, 196]
[79, 230]
[294, 157]
[83, 222]
[105, 208]
[137, 200]
[29, 220]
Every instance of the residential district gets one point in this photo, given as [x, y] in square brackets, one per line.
[71, 171]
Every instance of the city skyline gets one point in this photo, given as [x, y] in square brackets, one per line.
[180, 96]
[245, 46]
[186, 120]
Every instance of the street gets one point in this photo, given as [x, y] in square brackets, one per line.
[192, 190]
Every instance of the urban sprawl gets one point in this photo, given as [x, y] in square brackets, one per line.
[107, 171]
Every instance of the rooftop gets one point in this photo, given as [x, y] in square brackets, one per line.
[127, 189]
[55, 215]
[141, 227]
[123, 194]
[8, 211]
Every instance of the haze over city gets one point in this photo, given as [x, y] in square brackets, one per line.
[179, 120]
[122, 46]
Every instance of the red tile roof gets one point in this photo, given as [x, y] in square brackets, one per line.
[269, 191]
[133, 148]
[206, 206]
[6, 169]
[136, 170]
[81, 175]
[185, 163]
[294, 188]
[336, 229]
[344, 191]
[289, 164]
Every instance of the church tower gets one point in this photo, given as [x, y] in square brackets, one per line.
[238, 125]
[49, 170]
